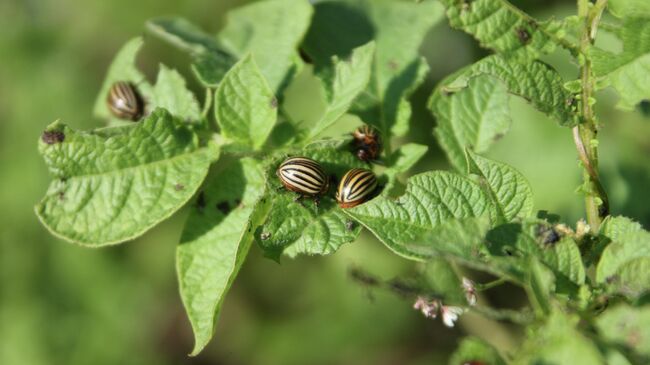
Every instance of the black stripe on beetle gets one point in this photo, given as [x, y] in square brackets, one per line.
[303, 175]
[124, 101]
[356, 187]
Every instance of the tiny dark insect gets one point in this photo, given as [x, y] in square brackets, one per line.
[52, 137]
[274, 103]
[350, 225]
[523, 35]
[124, 101]
[548, 235]
[223, 207]
[179, 187]
[367, 143]
[303, 176]
[356, 187]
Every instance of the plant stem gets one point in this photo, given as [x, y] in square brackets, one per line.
[585, 133]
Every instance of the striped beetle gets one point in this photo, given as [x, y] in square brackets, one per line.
[367, 143]
[304, 176]
[124, 101]
[356, 186]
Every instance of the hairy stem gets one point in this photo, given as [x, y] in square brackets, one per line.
[585, 134]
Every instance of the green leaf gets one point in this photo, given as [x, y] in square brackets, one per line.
[632, 278]
[245, 107]
[618, 227]
[501, 27]
[628, 70]
[122, 68]
[541, 283]
[271, 30]
[210, 61]
[538, 239]
[536, 82]
[171, 94]
[475, 349]
[626, 247]
[508, 188]
[430, 199]
[215, 241]
[182, 34]
[398, 28]
[112, 188]
[400, 161]
[295, 228]
[629, 8]
[558, 342]
[443, 280]
[170, 91]
[342, 85]
[472, 118]
[627, 326]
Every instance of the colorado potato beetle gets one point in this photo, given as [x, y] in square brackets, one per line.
[303, 175]
[124, 101]
[367, 143]
[356, 187]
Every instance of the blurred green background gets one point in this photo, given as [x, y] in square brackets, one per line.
[62, 304]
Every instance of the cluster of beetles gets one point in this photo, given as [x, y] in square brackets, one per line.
[298, 174]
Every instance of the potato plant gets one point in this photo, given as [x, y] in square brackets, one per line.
[586, 282]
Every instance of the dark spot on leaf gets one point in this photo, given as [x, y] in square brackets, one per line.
[398, 203]
[393, 65]
[350, 225]
[546, 234]
[570, 101]
[611, 279]
[179, 187]
[603, 210]
[532, 23]
[304, 56]
[466, 5]
[200, 201]
[497, 137]
[523, 35]
[473, 362]
[508, 251]
[223, 207]
[274, 102]
[61, 195]
[265, 236]
[238, 203]
[52, 137]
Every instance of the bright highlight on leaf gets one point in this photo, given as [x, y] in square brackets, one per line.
[113, 186]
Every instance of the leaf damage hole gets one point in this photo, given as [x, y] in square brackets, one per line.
[200, 201]
[52, 137]
[523, 35]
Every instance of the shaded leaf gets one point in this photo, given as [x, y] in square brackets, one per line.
[475, 349]
[245, 107]
[215, 242]
[628, 71]
[342, 85]
[271, 31]
[501, 27]
[626, 247]
[443, 280]
[627, 326]
[508, 188]
[472, 118]
[629, 8]
[398, 28]
[110, 189]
